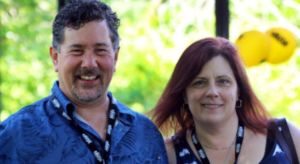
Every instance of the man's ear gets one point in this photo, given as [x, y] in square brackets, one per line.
[116, 58]
[54, 57]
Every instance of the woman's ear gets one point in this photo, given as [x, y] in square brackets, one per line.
[184, 97]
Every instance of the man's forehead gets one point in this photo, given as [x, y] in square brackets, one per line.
[76, 28]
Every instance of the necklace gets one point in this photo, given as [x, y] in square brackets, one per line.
[229, 153]
[238, 144]
[216, 148]
[222, 148]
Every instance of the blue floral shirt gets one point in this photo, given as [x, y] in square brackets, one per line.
[39, 134]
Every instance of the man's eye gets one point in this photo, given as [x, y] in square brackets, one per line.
[76, 52]
[101, 52]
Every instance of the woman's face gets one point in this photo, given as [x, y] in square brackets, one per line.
[212, 95]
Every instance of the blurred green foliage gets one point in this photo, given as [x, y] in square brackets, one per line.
[153, 33]
[25, 65]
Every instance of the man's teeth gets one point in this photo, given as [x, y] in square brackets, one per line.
[88, 77]
[211, 105]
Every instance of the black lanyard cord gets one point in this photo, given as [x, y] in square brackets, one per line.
[238, 143]
[91, 145]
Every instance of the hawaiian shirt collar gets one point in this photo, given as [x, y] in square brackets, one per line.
[125, 115]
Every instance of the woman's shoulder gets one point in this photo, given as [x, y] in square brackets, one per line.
[169, 142]
[289, 129]
[179, 151]
[170, 150]
[295, 132]
[175, 145]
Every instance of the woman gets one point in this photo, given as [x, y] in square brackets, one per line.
[213, 111]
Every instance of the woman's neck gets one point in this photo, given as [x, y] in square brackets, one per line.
[217, 135]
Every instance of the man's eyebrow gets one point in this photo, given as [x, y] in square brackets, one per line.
[95, 45]
[76, 45]
[100, 45]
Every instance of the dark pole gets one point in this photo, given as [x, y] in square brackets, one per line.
[222, 18]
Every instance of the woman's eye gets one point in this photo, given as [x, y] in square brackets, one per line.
[199, 83]
[224, 81]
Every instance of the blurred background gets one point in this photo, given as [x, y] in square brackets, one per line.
[153, 34]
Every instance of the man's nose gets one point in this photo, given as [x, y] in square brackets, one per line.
[89, 61]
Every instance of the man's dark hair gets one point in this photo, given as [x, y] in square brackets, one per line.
[77, 13]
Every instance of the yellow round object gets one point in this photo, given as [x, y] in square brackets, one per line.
[283, 44]
[253, 47]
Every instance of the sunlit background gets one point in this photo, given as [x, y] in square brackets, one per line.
[153, 33]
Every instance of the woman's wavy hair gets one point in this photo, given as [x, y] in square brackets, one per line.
[170, 115]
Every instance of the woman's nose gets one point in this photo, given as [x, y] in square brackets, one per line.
[212, 91]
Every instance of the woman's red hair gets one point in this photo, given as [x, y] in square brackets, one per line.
[170, 116]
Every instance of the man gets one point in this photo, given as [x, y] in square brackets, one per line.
[81, 122]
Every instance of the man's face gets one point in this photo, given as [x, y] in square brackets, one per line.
[86, 62]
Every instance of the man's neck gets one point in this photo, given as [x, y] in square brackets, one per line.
[96, 116]
[95, 110]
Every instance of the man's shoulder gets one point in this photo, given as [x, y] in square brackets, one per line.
[29, 112]
[22, 127]
[146, 142]
[137, 117]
